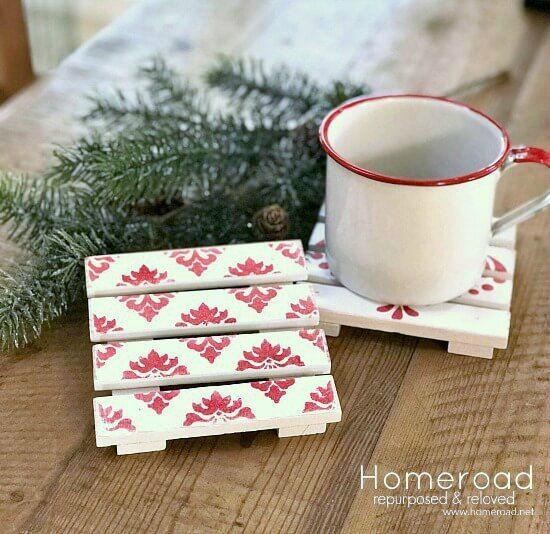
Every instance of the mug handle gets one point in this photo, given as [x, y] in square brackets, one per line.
[524, 154]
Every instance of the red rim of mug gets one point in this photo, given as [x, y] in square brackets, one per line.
[325, 125]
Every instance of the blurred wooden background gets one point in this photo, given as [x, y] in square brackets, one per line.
[407, 403]
[36, 35]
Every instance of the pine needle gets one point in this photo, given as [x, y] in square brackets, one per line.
[161, 167]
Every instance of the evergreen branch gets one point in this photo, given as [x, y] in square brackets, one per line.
[164, 85]
[249, 81]
[338, 92]
[213, 219]
[252, 84]
[31, 206]
[42, 289]
[120, 111]
[162, 169]
[174, 162]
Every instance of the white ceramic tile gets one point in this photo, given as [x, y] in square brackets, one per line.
[493, 291]
[448, 321]
[195, 268]
[505, 239]
[222, 409]
[204, 312]
[165, 362]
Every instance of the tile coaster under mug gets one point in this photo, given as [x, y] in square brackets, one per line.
[283, 371]
[473, 324]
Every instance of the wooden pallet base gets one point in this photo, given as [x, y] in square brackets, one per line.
[286, 432]
[453, 347]
[465, 349]
[134, 448]
[305, 430]
[473, 324]
[330, 329]
[246, 330]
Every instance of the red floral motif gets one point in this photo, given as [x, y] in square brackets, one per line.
[144, 277]
[274, 389]
[302, 307]
[257, 297]
[492, 264]
[320, 256]
[398, 311]
[268, 356]
[205, 316]
[322, 397]
[109, 350]
[291, 251]
[315, 336]
[98, 265]
[115, 418]
[250, 267]
[157, 400]
[217, 409]
[320, 244]
[196, 260]
[154, 365]
[483, 287]
[102, 325]
[147, 306]
[208, 347]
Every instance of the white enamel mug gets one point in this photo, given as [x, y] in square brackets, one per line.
[411, 183]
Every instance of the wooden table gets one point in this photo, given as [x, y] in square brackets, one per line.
[407, 403]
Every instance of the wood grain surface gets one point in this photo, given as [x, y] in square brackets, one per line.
[407, 404]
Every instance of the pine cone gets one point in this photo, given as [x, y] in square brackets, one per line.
[272, 222]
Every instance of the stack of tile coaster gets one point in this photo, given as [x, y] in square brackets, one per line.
[261, 357]
[473, 324]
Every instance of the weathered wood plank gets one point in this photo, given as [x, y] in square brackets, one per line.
[183, 32]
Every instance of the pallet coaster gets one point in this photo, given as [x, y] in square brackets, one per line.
[473, 324]
[140, 421]
[287, 360]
